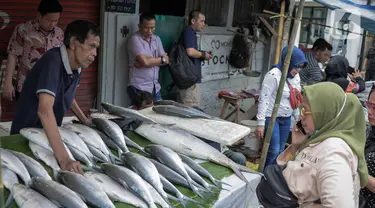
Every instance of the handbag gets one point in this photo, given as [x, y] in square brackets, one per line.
[295, 96]
[273, 191]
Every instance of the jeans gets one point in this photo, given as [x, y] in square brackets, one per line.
[237, 157]
[278, 139]
[132, 92]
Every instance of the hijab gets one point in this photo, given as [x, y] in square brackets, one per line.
[337, 114]
[337, 71]
[297, 58]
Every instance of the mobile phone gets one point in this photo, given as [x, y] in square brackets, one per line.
[300, 128]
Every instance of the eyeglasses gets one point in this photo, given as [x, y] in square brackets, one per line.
[369, 105]
[303, 112]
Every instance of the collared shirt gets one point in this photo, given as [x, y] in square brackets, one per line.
[268, 96]
[190, 40]
[145, 79]
[325, 171]
[312, 73]
[53, 75]
[29, 43]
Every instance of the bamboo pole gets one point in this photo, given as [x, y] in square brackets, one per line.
[281, 86]
[280, 32]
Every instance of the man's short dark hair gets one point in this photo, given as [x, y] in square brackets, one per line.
[146, 16]
[194, 14]
[143, 98]
[321, 45]
[80, 29]
[49, 6]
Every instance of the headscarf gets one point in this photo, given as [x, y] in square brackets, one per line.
[337, 71]
[297, 58]
[333, 117]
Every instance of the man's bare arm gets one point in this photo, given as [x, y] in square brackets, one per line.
[194, 53]
[8, 85]
[78, 112]
[47, 117]
[148, 62]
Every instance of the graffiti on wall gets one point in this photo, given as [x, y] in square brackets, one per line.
[218, 67]
[5, 20]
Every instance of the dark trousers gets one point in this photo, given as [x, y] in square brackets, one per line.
[132, 92]
[370, 75]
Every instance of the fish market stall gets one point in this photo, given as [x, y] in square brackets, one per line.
[239, 194]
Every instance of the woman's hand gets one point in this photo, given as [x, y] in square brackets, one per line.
[259, 132]
[297, 136]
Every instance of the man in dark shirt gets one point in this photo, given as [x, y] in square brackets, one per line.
[50, 87]
[191, 95]
[369, 64]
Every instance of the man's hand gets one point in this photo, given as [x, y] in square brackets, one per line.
[166, 59]
[259, 132]
[70, 165]
[208, 56]
[356, 74]
[8, 91]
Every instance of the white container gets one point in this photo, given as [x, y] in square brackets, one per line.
[251, 140]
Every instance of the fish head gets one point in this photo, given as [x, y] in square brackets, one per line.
[18, 187]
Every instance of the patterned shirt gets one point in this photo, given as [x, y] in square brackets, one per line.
[29, 43]
[312, 73]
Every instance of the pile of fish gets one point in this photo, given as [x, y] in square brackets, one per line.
[112, 172]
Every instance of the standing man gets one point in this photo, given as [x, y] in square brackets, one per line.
[191, 95]
[369, 64]
[321, 53]
[50, 87]
[28, 43]
[146, 55]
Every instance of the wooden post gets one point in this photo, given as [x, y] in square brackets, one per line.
[280, 32]
[267, 140]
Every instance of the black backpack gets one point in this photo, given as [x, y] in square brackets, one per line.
[240, 54]
[183, 70]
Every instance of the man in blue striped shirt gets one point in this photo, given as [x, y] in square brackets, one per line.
[321, 52]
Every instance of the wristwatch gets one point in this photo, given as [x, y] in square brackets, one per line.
[163, 59]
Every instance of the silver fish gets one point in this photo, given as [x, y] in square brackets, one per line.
[9, 179]
[170, 102]
[196, 177]
[126, 113]
[157, 197]
[14, 164]
[114, 190]
[199, 169]
[39, 137]
[45, 155]
[93, 194]
[129, 180]
[93, 141]
[190, 145]
[108, 141]
[171, 159]
[58, 193]
[180, 112]
[28, 198]
[113, 131]
[104, 116]
[33, 166]
[146, 169]
[131, 143]
[77, 146]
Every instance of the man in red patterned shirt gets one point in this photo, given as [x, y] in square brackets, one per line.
[30, 40]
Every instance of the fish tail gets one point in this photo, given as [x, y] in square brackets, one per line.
[237, 170]
[185, 198]
[152, 205]
[113, 158]
[247, 170]
[222, 182]
[195, 190]
[9, 200]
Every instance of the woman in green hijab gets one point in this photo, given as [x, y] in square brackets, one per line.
[328, 165]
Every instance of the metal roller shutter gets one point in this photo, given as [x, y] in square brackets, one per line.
[19, 11]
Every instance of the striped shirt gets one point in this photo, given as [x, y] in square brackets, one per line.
[311, 74]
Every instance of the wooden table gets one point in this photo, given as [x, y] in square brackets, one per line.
[236, 102]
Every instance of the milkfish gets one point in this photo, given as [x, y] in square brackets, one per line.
[58, 193]
[33, 166]
[129, 180]
[114, 190]
[77, 146]
[190, 145]
[113, 131]
[93, 141]
[126, 113]
[45, 155]
[14, 164]
[9, 179]
[171, 159]
[146, 169]
[28, 198]
[39, 137]
[92, 194]
[172, 110]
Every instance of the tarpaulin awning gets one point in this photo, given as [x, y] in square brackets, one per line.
[355, 7]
